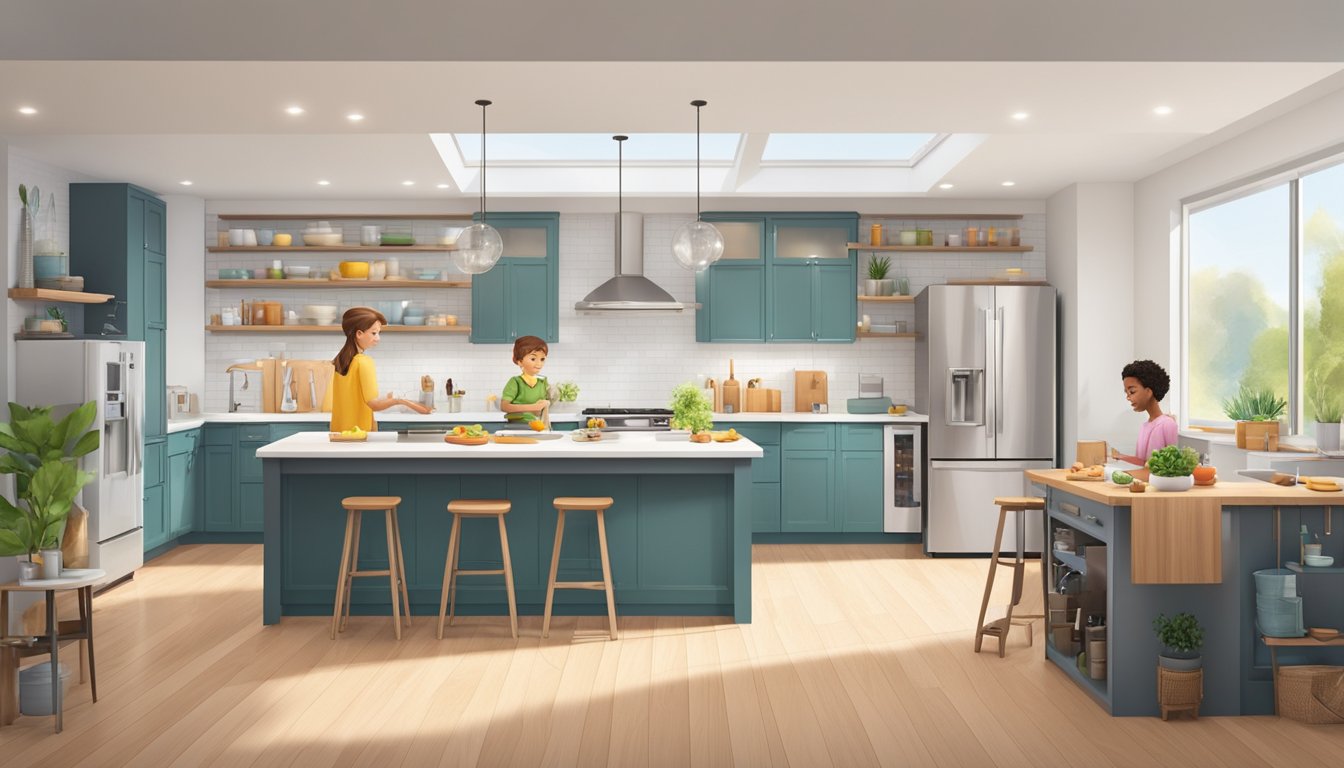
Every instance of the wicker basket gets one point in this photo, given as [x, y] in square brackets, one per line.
[1295, 699]
[1180, 691]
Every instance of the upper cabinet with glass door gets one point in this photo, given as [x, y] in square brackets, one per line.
[731, 293]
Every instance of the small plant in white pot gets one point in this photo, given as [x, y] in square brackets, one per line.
[1172, 468]
[1325, 404]
[878, 284]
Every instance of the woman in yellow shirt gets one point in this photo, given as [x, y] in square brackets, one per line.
[354, 388]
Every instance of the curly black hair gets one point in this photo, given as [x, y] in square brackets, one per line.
[1150, 375]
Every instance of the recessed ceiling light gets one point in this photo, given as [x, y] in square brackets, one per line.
[27, 111]
[323, 183]
[1163, 110]
[408, 183]
[1021, 115]
[946, 186]
[1009, 183]
[354, 117]
[442, 186]
[294, 110]
[185, 182]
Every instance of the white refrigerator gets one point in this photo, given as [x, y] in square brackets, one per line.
[66, 374]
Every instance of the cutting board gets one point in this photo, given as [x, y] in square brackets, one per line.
[732, 392]
[808, 387]
[273, 378]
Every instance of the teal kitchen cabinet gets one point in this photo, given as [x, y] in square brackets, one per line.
[731, 293]
[220, 507]
[765, 508]
[520, 296]
[859, 491]
[807, 491]
[791, 303]
[765, 491]
[250, 514]
[118, 242]
[155, 512]
[184, 482]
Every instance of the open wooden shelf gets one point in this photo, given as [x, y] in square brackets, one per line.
[341, 284]
[343, 216]
[942, 216]
[944, 248]
[889, 299]
[51, 294]
[333, 328]
[1302, 642]
[873, 335]
[329, 248]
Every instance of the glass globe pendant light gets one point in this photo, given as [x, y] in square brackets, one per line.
[697, 244]
[479, 246]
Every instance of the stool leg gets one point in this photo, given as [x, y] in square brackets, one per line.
[354, 566]
[989, 583]
[555, 566]
[1046, 547]
[606, 571]
[401, 569]
[447, 575]
[456, 538]
[508, 577]
[336, 611]
[395, 594]
[86, 615]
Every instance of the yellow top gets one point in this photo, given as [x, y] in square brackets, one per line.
[351, 394]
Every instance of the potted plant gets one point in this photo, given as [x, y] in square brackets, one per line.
[1181, 638]
[564, 392]
[877, 283]
[43, 456]
[1172, 468]
[1257, 414]
[1325, 404]
[690, 410]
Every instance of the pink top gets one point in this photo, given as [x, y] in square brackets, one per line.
[1154, 434]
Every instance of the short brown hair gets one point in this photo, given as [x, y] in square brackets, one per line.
[526, 345]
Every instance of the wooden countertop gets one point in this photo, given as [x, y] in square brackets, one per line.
[1228, 493]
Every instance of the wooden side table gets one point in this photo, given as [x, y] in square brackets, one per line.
[82, 581]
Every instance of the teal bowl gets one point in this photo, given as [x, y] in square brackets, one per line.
[233, 274]
[47, 266]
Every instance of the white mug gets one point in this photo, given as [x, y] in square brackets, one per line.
[368, 235]
[236, 238]
[249, 237]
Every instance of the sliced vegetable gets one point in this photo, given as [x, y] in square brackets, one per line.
[1121, 478]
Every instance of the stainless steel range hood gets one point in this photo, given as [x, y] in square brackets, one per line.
[630, 289]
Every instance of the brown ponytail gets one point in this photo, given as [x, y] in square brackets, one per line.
[354, 320]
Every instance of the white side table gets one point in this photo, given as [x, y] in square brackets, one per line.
[82, 581]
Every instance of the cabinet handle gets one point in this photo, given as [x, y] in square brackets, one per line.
[1070, 509]
[1094, 519]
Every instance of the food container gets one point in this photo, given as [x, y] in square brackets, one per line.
[354, 270]
[275, 313]
[300, 272]
[875, 235]
[249, 237]
[322, 238]
[954, 240]
[260, 273]
[391, 238]
[321, 314]
[972, 235]
[282, 239]
[378, 270]
[924, 237]
[448, 235]
[909, 237]
[368, 235]
[233, 274]
[265, 236]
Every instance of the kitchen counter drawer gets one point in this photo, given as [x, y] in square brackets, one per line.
[1089, 516]
[808, 437]
[219, 434]
[860, 437]
[249, 466]
[254, 432]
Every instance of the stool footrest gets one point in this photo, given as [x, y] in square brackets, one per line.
[580, 585]
[357, 574]
[496, 572]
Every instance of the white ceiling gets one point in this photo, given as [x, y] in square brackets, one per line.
[223, 125]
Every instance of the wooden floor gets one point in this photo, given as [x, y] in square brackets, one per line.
[858, 655]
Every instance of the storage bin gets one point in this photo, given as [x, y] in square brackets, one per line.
[35, 689]
[1295, 698]
[1276, 582]
[1279, 616]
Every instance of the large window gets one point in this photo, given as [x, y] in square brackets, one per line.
[1249, 323]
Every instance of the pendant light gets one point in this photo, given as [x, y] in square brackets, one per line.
[697, 244]
[479, 246]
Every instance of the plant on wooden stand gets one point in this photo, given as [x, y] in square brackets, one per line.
[877, 283]
[43, 455]
[1257, 414]
[690, 410]
[1180, 676]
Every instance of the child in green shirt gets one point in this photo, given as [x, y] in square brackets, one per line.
[524, 396]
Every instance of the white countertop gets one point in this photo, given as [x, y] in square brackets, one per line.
[497, 417]
[630, 445]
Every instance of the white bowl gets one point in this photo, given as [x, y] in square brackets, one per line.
[1183, 483]
[1319, 561]
[298, 271]
[328, 239]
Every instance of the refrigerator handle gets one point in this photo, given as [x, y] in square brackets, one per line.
[998, 376]
[133, 414]
[991, 370]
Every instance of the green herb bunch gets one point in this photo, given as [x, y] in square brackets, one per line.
[1179, 633]
[567, 392]
[690, 409]
[878, 266]
[1254, 405]
[1172, 461]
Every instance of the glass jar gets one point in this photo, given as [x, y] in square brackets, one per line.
[972, 235]
[875, 235]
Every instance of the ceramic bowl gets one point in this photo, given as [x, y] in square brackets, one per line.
[413, 320]
[323, 238]
[323, 314]
[282, 239]
[354, 270]
[234, 274]
[1183, 483]
[1319, 561]
[298, 271]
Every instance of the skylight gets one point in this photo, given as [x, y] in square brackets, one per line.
[596, 147]
[891, 148]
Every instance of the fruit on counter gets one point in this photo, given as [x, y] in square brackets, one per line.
[1321, 484]
[700, 437]
[1138, 486]
[597, 422]
[475, 430]
[537, 425]
[1205, 475]
[353, 431]
[1121, 478]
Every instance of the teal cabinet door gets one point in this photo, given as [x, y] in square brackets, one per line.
[156, 518]
[251, 512]
[765, 507]
[183, 493]
[156, 227]
[835, 302]
[859, 491]
[156, 407]
[489, 321]
[156, 293]
[733, 303]
[807, 489]
[530, 301]
[219, 488]
[791, 303]
[249, 466]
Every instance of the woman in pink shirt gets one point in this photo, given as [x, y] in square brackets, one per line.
[1145, 386]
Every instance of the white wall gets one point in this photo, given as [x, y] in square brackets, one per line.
[186, 292]
[1307, 130]
[1062, 264]
[616, 359]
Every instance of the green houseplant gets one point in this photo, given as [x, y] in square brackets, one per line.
[1172, 468]
[691, 410]
[1181, 638]
[43, 455]
[877, 283]
[1325, 405]
[1257, 414]
[564, 392]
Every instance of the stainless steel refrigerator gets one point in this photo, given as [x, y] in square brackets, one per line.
[985, 375]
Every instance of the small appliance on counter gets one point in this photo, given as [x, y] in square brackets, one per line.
[181, 404]
[870, 399]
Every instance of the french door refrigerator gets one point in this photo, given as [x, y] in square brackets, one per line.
[985, 375]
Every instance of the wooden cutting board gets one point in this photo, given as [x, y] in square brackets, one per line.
[322, 372]
[808, 387]
[732, 391]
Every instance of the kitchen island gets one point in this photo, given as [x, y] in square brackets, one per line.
[679, 531]
[1165, 553]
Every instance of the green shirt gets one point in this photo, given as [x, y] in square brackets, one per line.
[518, 392]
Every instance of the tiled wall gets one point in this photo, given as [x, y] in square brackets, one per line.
[617, 359]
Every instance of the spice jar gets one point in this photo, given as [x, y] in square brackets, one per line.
[993, 236]
[972, 235]
[875, 235]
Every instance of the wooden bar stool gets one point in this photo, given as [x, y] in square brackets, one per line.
[999, 627]
[460, 508]
[355, 507]
[576, 504]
